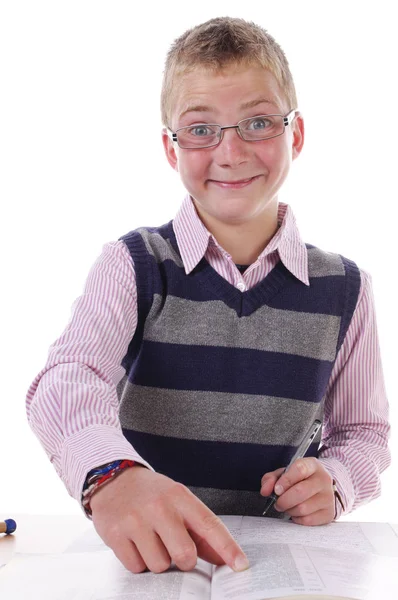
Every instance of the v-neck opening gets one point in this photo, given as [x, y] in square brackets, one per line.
[244, 302]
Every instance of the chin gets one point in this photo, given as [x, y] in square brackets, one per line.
[241, 204]
[234, 216]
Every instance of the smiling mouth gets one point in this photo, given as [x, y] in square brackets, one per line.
[232, 184]
[238, 181]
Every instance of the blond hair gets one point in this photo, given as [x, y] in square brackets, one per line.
[219, 43]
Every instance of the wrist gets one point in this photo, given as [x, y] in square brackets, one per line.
[99, 477]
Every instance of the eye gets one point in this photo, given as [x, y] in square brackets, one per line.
[201, 130]
[260, 123]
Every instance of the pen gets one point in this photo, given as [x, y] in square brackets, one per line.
[301, 451]
[8, 526]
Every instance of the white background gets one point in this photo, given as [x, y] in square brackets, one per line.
[81, 163]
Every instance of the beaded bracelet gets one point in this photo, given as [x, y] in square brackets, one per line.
[100, 476]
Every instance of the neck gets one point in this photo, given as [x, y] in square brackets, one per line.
[244, 241]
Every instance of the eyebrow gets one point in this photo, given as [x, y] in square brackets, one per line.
[245, 105]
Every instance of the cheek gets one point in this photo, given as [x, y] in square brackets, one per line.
[271, 153]
[194, 167]
[276, 161]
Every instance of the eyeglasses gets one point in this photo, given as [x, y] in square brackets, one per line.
[255, 129]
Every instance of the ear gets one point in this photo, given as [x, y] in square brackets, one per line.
[170, 150]
[298, 136]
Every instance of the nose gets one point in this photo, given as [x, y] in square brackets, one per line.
[232, 150]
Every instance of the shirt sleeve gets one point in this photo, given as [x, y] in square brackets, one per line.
[72, 404]
[356, 429]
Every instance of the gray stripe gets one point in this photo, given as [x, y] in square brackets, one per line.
[233, 502]
[213, 323]
[216, 416]
[159, 248]
[320, 262]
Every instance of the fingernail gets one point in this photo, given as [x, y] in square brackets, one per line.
[241, 563]
[278, 489]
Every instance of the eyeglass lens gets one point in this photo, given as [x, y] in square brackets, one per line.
[254, 129]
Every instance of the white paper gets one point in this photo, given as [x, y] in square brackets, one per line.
[173, 584]
[97, 576]
[395, 528]
[281, 571]
[379, 538]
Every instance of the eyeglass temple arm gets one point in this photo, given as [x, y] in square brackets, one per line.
[171, 134]
[290, 116]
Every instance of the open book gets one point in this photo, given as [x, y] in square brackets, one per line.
[339, 560]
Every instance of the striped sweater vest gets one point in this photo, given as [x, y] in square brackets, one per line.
[221, 385]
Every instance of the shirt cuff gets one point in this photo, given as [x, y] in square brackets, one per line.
[89, 449]
[344, 487]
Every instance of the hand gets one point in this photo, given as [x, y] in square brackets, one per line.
[307, 495]
[149, 520]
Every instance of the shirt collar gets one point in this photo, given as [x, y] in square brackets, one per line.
[193, 239]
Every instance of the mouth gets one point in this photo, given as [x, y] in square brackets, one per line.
[234, 184]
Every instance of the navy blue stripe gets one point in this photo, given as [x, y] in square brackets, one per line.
[203, 284]
[184, 367]
[223, 465]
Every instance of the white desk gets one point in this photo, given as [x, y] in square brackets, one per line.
[41, 534]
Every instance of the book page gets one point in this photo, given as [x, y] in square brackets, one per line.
[97, 576]
[377, 538]
[294, 571]
[395, 527]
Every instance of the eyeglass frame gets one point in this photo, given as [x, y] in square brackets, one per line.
[287, 119]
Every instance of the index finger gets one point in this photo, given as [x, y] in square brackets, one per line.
[207, 527]
[204, 550]
[302, 468]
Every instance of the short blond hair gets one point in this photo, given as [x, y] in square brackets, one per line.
[219, 43]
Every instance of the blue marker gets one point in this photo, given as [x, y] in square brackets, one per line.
[8, 526]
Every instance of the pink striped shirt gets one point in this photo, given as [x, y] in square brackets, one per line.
[72, 404]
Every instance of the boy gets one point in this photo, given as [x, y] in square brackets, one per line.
[202, 350]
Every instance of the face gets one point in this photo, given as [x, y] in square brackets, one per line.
[216, 177]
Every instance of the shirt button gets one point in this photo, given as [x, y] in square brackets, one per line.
[241, 286]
